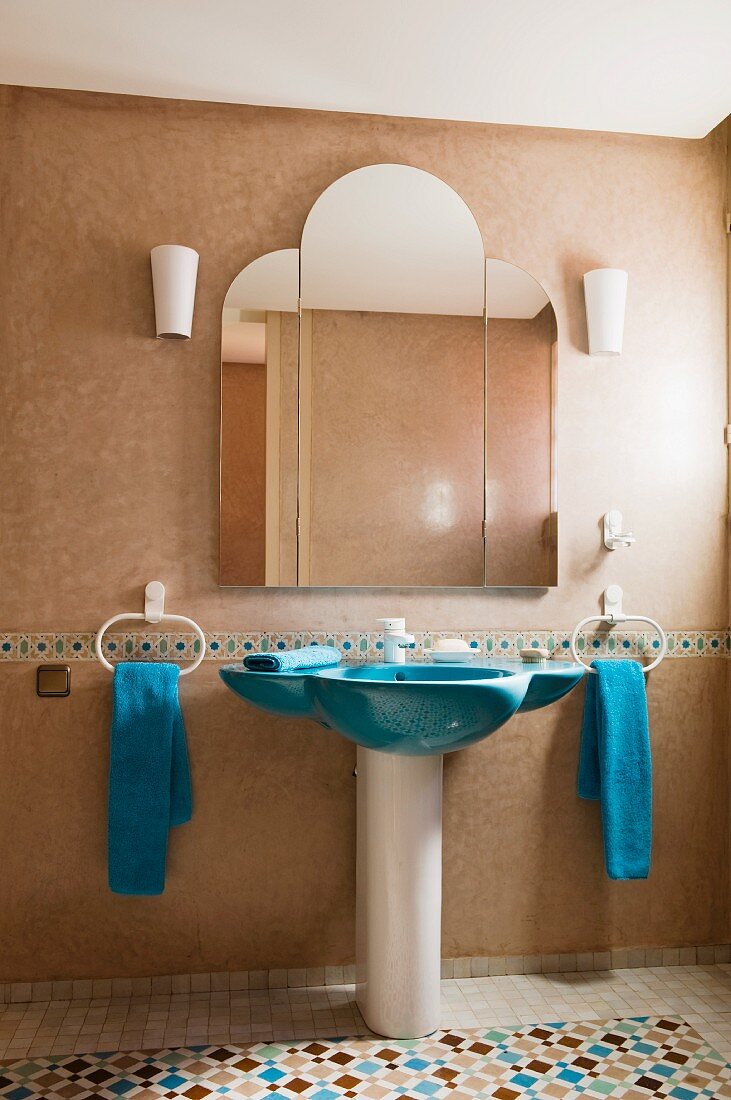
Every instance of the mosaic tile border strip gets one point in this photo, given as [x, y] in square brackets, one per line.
[630, 1058]
[354, 645]
[624, 958]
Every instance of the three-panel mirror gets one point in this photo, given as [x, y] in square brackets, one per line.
[388, 401]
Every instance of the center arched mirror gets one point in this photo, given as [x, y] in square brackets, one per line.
[388, 401]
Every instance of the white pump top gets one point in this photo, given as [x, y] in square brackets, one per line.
[392, 624]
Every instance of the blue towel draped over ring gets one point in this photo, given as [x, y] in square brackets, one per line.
[149, 775]
[309, 656]
[615, 765]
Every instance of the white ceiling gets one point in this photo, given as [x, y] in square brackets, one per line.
[270, 282]
[643, 66]
[386, 238]
[390, 238]
[512, 292]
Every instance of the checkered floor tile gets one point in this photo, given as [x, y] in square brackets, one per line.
[627, 1059]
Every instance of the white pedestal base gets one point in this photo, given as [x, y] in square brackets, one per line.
[399, 892]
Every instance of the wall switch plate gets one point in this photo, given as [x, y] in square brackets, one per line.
[53, 680]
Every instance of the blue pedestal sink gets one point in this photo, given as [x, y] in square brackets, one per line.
[403, 718]
[408, 709]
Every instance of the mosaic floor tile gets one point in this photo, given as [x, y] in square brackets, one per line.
[626, 1059]
[165, 1012]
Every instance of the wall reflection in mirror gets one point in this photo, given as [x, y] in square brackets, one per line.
[400, 430]
[520, 490]
[259, 352]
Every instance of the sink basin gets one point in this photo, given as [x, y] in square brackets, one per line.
[408, 709]
[417, 710]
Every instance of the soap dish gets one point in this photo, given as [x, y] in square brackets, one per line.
[455, 655]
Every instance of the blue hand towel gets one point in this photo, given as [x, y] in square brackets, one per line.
[310, 656]
[149, 777]
[615, 765]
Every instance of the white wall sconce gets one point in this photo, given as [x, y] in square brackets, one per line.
[605, 294]
[174, 271]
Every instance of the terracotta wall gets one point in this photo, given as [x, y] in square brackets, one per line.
[288, 447]
[519, 417]
[243, 472]
[110, 452]
[396, 428]
[397, 451]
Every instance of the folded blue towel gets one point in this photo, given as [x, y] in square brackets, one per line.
[310, 656]
[149, 777]
[615, 765]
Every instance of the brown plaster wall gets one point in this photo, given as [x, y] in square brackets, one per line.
[397, 431]
[264, 873]
[243, 472]
[94, 180]
[109, 444]
[519, 399]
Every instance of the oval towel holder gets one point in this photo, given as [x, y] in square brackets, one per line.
[614, 614]
[154, 613]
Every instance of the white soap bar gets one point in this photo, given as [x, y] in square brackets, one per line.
[534, 656]
[450, 645]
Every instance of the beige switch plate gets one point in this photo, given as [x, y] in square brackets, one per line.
[53, 680]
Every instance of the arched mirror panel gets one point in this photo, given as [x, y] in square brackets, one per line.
[388, 401]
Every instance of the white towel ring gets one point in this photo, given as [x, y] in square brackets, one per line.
[164, 618]
[632, 618]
